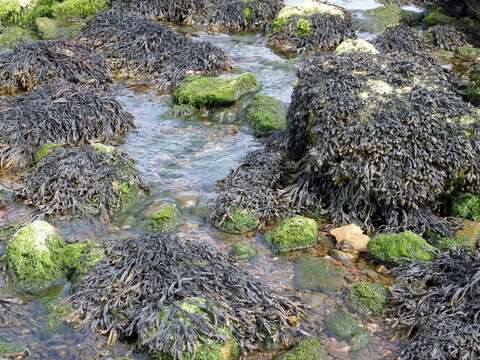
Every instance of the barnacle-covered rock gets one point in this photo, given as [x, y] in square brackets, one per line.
[57, 113]
[164, 219]
[404, 38]
[81, 181]
[266, 114]
[307, 349]
[367, 297]
[36, 63]
[446, 37]
[293, 233]
[137, 47]
[311, 25]
[238, 221]
[395, 248]
[318, 274]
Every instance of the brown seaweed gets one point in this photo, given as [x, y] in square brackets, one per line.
[36, 63]
[57, 112]
[143, 276]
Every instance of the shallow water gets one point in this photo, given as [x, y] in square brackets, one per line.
[181, 161]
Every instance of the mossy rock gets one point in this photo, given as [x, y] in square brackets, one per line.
[355, 45]
[468, 235]
[48, 28]
[43, 150]
[206, 349]
[10, 11]
[388, 15]
[238, 221]
[266, 114]
[11, 36]
[164, 219]
[79, 258]
[244, 251]
[81, 9]
[396, 248]
[367, 297]
[344, 326]
[467, 206]
[293, 233]
[11, 349]
[436, 17]
[206, 91]
[318, 274]
[307, 349]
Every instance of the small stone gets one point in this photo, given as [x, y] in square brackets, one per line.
[381, 269]
[244, 251]
[353, 235]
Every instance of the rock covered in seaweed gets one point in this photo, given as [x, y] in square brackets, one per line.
[165, 218]
[311, 25]
[368, 297]
[266, 114]
[57, 113]
[307, 349]
[293, 233]
[79, 181]
[136, 47]
[474, 7]
[38, 62]
[126, 291]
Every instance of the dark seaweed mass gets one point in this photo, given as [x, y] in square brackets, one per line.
[127, 290]
[437, 305]
[325, 33]
[35, 63]
[379, 138]
[57, 112]
[446, 37]
[403, 38]
[80, 181]
[136, 46]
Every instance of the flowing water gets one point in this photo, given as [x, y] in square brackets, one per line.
[181, 162]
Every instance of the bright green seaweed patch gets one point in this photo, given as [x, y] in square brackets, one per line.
[307, 349]
[266, 114]
[318, 274]
[436, 17]
[77, 8]
[238, 221]
[387, 15]
[79, 258]
[205, 91]
[344, 326]
[293, 233]
[395, 248]
[164, 219]
[467, 206]
[368, 297]
[43, 150]
[302, 28]
[244, 251]
[48, 28]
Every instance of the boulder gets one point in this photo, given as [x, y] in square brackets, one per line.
[266, 114]
[352, 235]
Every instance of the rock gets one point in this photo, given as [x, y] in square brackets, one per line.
[43, 150]
[266, 114]
[82, 9]
[238, 221]
[318, 274]
[468, 235]
[388, 15]
[307, 349]
[13, 35]
[164, 219]
[340, 255]
[367, 297]
[342, 325]
[48, 28]
[205, 91]
[244, 251]
[293, 233]
[395, 248]
[210, 349]
[353, 235]
[351, 45]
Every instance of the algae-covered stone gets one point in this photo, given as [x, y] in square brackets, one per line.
[387, 15]
[238, 221]
[360, 340]
[43, 150]
[48, 28]
[342, 325]
[367, 297]
[164, 219]
[266, 114]
[206, 349]
[11, 349]
[13, 35]
[436, 17]
[474, 82]
[10, 11]
[353, 45]
[307, 349]
[244, 251]
[79, 258]
[395, 248]
[293, 233]
[32, 255]
[318, 274]
[68, 9]
[467, 206]
[205, 91]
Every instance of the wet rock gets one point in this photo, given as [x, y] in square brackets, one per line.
[468, 235]
[166, 218]
[58, 313]
[82, 9]
[367, 297]
[318, 274]
[309, 26]
[344, 326]
[266, 114]
[238, 221]
[387, 15]
[244, 251]
[351, 45]
[307, 349]
[293, 233]
[352, 235]
[395, 248]
[340, 256]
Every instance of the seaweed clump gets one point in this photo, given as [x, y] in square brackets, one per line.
[151, 275]
[137, 47]
[38, 62]
[404, 38]
[57, 113]
[81, 181]
[436, 305]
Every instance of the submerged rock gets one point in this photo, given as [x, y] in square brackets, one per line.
[293, 233]
[238, 221]
[266, 114]
[307, 349]
[244, 251]
[351, 235]
[318, 274]
[388, 15]
[164, 219]
[12, 349]
[309, 26]
[367, 297]
[344, 326]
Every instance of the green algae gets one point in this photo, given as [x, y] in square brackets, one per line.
[395, 248]
[266, 114]
[244, 251]
[303, 27]
[79, 258]
[77, 8]
[205, 91]
[388, 15]
[307, 349]
[293, 233]
[318, 274]
[367, 297]
[239, 221]
[48, 28]
[43, 150]
[104, 149]
[164, 219]
[467, 206]
[344, 326]
[436, 17]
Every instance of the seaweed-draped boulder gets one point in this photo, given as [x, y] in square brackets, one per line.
[378, 138]
[311, 25]
[57, 113]
[86, 180]
[139, 48]
[38, 62]
[135, 291]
